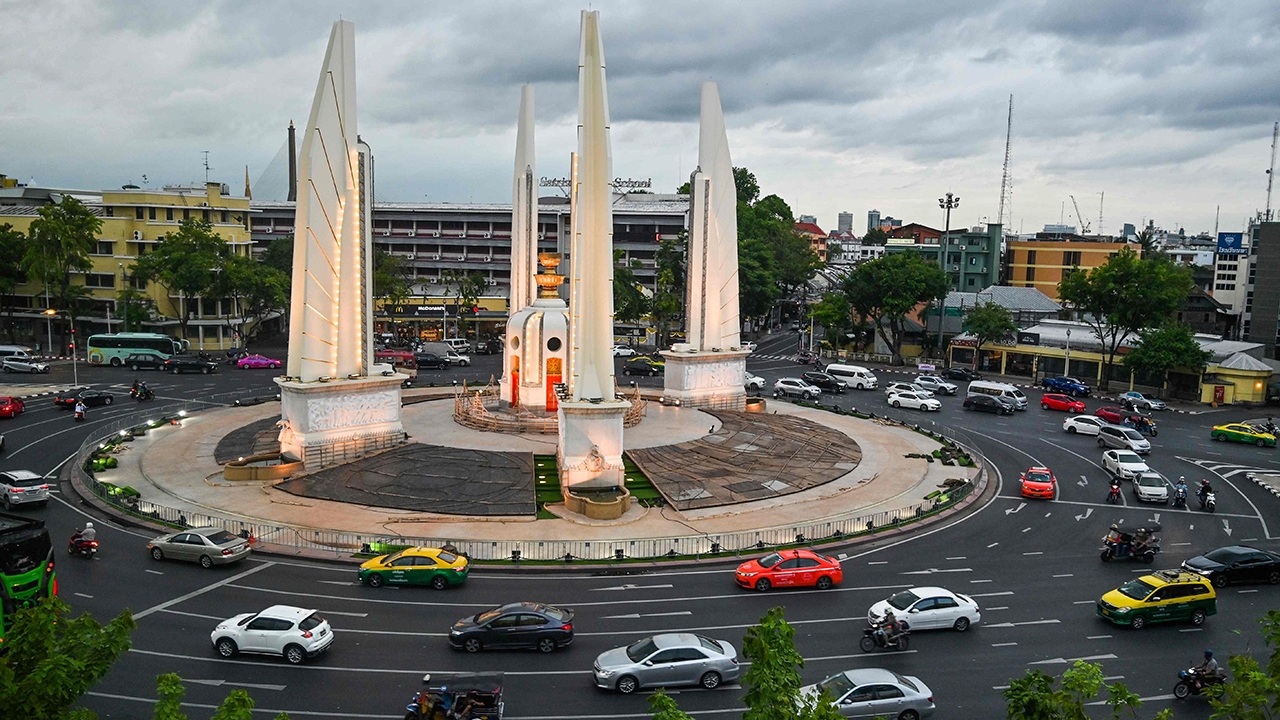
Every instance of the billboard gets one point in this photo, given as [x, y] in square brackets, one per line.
[1230, 244]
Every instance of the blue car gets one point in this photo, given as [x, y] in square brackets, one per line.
[1068, 385]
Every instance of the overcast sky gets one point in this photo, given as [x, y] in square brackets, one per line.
[1165, 106]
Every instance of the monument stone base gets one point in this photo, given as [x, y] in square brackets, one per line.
[713, 379]
[590, 449]
[324, 423]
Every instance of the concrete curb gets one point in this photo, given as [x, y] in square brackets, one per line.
[1274, 490]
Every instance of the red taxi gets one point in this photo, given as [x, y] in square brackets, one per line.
[11, 406]
[790, 568]
[1038, 482]
[1058, 401]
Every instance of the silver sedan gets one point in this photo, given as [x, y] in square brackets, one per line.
[875, 692]
[208, 546]
[667, 660]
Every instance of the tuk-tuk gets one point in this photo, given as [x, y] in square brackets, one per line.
[478, 695]
[1139, 544]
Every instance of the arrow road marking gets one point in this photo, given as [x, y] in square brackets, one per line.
[1062, 661]
[634, 616]
[1087, 513]
[630, 586]
[1156, 519]
[1226, 527]
[219, 683]
[1083, 481]
[930, 571]
[1028, 622]
[1010, 511]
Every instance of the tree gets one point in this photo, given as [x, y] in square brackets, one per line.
[279, 254]
[757, 285]
[1125, 295]
[833, 314]
[467, 287]
[875, 236]
[629, 301]
[1252, 692]
[13, 246]
[391, 280]
[665, 708]
[667, 306]
[987, 322]
[1033, 697]
[773, 680]
[256, 290]
[236, 706]
[184, 262]
[1147, 241]
[50, 660]
[888, 288]
[1165, 348]
[60, 241]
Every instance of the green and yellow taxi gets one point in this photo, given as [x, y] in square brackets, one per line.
[1242, 432]
[1163, 596]
[415, 566]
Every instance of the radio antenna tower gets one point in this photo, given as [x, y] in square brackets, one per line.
[1006, 184]
[1271, 172]
[206, 165]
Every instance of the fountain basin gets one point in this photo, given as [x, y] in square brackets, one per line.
[604, 503]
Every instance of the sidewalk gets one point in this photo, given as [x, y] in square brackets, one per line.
[174, 466]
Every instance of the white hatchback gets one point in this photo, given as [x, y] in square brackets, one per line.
[291, 632]
[1123, 463]
[1083, 424]
[928, 608]
[623, 351]
[915, 400]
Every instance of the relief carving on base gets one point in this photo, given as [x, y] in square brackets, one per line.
[594, 462]
[344, 411]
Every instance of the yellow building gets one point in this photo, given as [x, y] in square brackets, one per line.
[133, 221]
[1042, 264]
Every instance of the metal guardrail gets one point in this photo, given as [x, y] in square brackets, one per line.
[819, 531]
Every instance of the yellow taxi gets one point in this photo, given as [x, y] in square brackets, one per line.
[415, 566]
[1162, 596]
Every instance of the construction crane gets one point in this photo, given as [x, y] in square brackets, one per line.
[1084, 224]
[1006, 183]
[1271, 172]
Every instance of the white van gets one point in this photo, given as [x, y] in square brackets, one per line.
[461, 345]
[856, 375]
[995, 389]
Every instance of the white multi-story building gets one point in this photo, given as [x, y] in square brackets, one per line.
[1233, 277]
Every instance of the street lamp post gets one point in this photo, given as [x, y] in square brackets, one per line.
[948, 203]
[48, 321]
[1067, 369]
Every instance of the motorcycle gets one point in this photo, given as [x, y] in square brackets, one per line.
[1180, 499]
[1113, 497]
[1125, 546]
[1191, 682]
[1208, 501]
[873, 639]
[142, 395]
[85, 548]
[79, 415]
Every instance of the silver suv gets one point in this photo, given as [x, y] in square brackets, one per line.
[665, 661]
[23, 487]
[1115, 436]
[936, 384]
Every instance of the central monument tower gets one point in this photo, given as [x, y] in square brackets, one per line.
[591, 418]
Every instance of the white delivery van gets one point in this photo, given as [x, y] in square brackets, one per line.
[461, 345]
[995, 389]
[856, 375]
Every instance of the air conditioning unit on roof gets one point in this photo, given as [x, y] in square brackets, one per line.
[488, 235]
[435, 234]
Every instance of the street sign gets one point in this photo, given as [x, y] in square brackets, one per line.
[1028, 338]
[926, 367]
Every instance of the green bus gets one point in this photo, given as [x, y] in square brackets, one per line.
[113, 348]
[26, 567]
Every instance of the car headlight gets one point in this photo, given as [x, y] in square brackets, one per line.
[1123, 610]
[604, 673]
[747, 574]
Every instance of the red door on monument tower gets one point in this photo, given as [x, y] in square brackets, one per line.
[553, 378]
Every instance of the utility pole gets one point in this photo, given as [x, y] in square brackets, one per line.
[206, 165]
[948, 203]
[1006, 183]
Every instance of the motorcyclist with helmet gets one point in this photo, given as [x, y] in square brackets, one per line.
[1203, 492]
[1208, 671]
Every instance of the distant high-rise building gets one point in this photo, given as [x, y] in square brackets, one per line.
[888, 222]
[844, 222]
[1129, 230]
[873, 220]
[808, 219]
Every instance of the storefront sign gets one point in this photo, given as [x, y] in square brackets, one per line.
[1028, 338]
[1219, 394]
[1231, 244]
[926, 367]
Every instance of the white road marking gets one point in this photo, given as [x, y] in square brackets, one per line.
[1226, 527]
[155, 572]
[958, 557]
[633, 616]
[1009, 644]
[348, 614]
[1152, 698]
[338, 582]
[1239, 591]
[1064, 575]
[975, 582]
[1026, 529]
[878, 562]
[1182, 543]
[1248, 539]
[1098, 637]
[1258, 514]
[1038, 552]
[219, 683]
[1010, 511]
[630, 586]
[1068, 661]
[1084, 602]
[1048, 514]
[992, 594]
[1002, 607]
[1083, 481]
[91, 597]
[931, 571]
[201, 591]
[1192, 630]
[1025, 622]
[1109, 678]
[992, 545]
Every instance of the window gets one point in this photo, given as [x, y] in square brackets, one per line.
[138, 213]
[204, 215]
[887, 692]
[926, 604]
[1031, 257]
[688, 654]
[151, 213]
[667, 656]
[1071, 258]
[1031, 273]
[105, 247]
[138, 283]
[224, 216]
[100, 280]
[809, 563]
[973, 259]
[532, 621]
[110, 211]
[168, 213]
[505, 621]
[791, 564]
[186, 214]
[971, 282]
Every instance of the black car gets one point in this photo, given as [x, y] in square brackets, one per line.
[987, 403]
[88, 397]
[426, 360]
[825, 381]
[959, 373]
[1236, 564]
[519, 625]
[642, 366]
[144, 361]
[492, 346]
[189, 363]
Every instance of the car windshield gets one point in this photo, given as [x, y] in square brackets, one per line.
[638, 651]
[837, 686]
[770, 560]
[554, 613]
[24, 482]
[310, 622]
[710, 644]
[220, 537]
[446, 557]
[487, 615]
[1017, 393]
[1226, 556]
[903, 600]
[1151, 481]
[1136, 589]
[1133, 434]
[1037, 476]
[1127, 458]
[903, 681]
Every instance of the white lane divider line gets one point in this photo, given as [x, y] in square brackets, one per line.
[877, 562]
[1008, 644]
[1097, 637]
[992, 545]
[1192, 630]
[1109, 678]
[1239, 591]
[1068, 661]
[931, 571]
[201, 591]
[958, 557]
[1038, 552]
[1027, 529]
[219, 683]
[347, 614]
[155, 572]
[91, 597]
[631, 586]
[634, 616]
[1002, 607]
[1183, 543]
[338, 582]
[1083, 602]
[975, 582]
[1064, 575]
[1024, 622]
[992, 594]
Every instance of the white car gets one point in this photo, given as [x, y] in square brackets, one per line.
[795, 387]
[1124, 463]
[293, 633]
[23, 364]
[754, 382]
[915, 400]
[936, 384]
[624, 351]
[896, 387]
[928, 608]
[456, 358]
[1083, 424]
[749, 346]
[23, 487]
[1151, 487]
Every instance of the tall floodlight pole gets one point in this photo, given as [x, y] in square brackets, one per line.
[948, 203]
